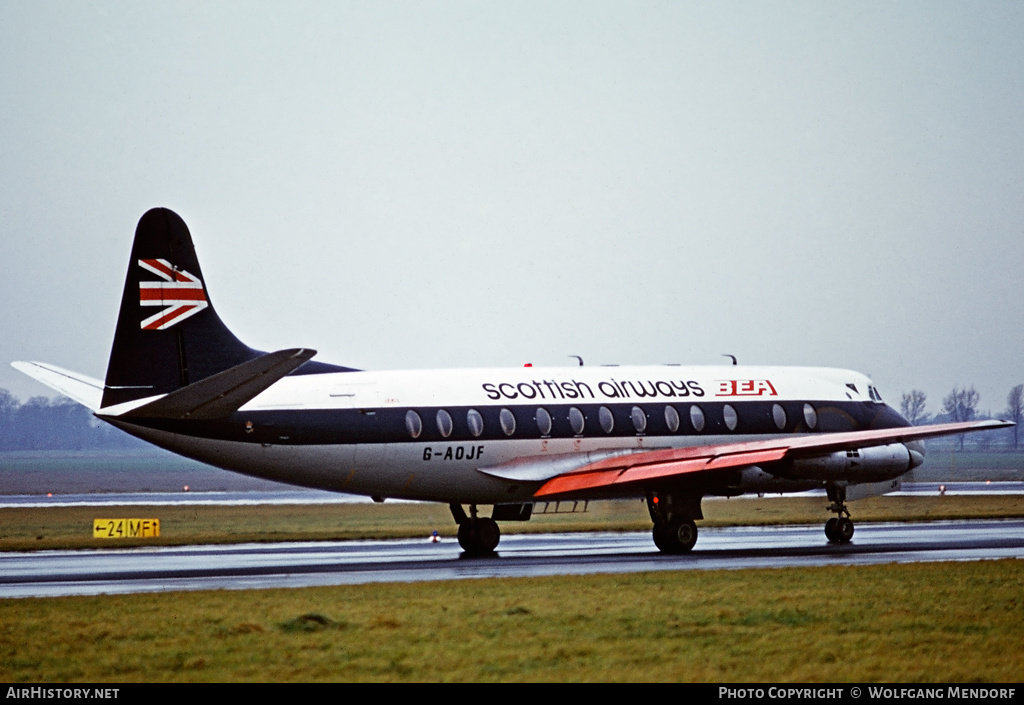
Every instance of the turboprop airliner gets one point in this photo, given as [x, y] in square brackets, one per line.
[515, 439]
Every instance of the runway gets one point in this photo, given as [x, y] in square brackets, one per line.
[261, 566]
[304, 496]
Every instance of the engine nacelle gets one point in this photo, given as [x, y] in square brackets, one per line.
[753, 479]
[873, 464]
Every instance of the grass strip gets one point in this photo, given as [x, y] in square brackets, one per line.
[933, 622]
[37, 528]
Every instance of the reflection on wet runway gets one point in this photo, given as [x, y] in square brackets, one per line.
[248, 566]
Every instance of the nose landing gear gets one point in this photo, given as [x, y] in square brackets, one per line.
[838, 529]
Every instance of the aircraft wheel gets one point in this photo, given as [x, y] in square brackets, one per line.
[479, 537]
[659, 537]
[677, 536]
[684, 533]
[490, 534]
[844, 530]
[830, 530]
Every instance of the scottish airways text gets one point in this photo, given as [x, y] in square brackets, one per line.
[607, 389]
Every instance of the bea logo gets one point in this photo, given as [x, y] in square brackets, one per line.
[745, 388]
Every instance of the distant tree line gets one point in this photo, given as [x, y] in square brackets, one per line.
[962, 405]
[58, 424]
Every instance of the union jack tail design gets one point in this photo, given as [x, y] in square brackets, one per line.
[180, 294]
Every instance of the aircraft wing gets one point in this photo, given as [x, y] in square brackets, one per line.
[637, 468]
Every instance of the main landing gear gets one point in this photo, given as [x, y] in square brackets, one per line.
[673, 515]
[838, 529]
[478, 536]
[677, 535]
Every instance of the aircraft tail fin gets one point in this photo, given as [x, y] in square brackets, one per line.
[168, 334]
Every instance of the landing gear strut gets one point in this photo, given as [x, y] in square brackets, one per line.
[673, 515]
[478, 536]
[838, 529]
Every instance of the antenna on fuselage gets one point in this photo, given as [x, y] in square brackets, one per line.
[578, 358]
[731, 357]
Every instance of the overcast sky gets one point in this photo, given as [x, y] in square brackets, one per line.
[449, 184]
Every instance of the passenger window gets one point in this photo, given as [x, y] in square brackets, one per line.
[507, 421]
[671, 419]
[604, 415]
[413, 424]
[810, 416]
[697, 418]
[639, 419]
[779, 416]
[476, 422]
[729, 416]
[576, 420]
[444, 422]
[543, 421]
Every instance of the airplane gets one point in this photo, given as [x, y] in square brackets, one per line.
[515, 439]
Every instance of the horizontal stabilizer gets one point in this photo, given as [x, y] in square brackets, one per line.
[85, 390]
[220, 395]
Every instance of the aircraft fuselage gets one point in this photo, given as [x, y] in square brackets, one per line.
[428, 434]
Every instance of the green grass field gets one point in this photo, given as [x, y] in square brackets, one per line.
[945, 622]
[71, 527]
[925, 622]
[942, 622]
